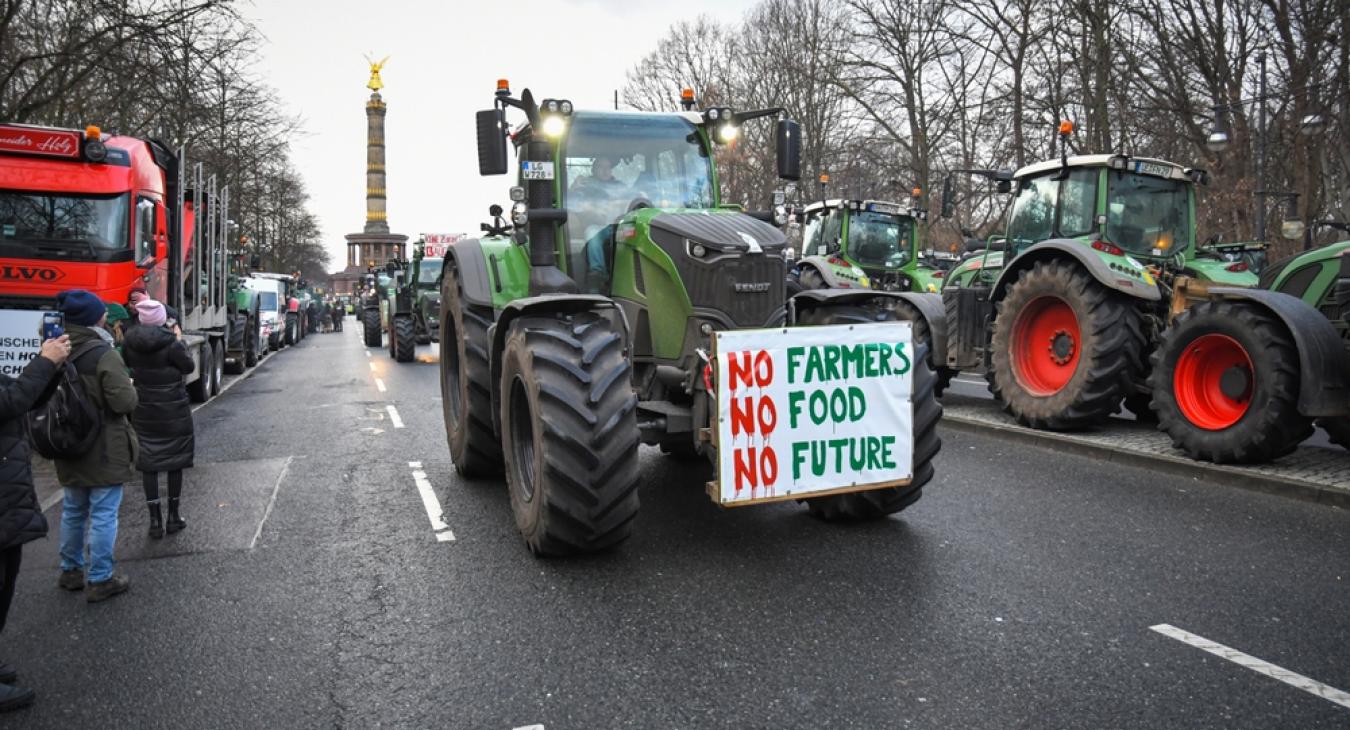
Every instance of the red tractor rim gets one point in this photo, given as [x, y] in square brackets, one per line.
[1198, 382]
[1045, 346]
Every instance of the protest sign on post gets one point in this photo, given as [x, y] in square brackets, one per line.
[811, 411]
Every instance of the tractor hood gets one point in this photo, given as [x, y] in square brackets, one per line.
[723, 232]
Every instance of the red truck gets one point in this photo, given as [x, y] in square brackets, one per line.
[106, 213]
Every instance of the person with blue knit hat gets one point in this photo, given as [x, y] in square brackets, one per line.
[93, 482]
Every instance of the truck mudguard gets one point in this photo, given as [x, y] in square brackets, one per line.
[467, 254]
[545, 304]
[1324, 366]
[1084, 255]
[930, 306]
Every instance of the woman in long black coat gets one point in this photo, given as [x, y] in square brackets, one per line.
[163, 416]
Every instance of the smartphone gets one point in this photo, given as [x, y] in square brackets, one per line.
[53, 325]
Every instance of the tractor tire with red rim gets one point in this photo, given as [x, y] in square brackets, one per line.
[1066, 349]
[878, 503]
[1338, 429]
[1225, 385]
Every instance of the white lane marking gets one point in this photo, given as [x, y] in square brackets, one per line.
[47, 503]
[372, 366]
[367, 353]
[1292, 679]
[431, 504]
[393, 416]
[271, 501]
[529, 727]
[379, 384]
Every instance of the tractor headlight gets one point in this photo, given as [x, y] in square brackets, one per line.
[728, 132]
[554, 125]
[780, 215]
[699, 250]
[519, 214]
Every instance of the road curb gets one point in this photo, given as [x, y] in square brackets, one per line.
[1215, 473]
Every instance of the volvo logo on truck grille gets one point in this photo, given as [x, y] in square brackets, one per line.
[752, 288]
[30, 273]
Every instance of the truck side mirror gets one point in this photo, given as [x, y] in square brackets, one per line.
[789, 148]
[948, 198]
[491, 142]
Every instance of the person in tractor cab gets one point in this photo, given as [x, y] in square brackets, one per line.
[592, 195]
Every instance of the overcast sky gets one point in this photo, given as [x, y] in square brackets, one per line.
[445, 60]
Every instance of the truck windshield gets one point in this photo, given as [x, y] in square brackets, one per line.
[43, 225]
[1147, 215]
[428, 271]
[878, 239]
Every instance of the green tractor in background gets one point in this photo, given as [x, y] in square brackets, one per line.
[1241, 374]
[583, 328]
[374, 291]
[411, 303]
[1063, 312]
[246, 343]
[871, 244]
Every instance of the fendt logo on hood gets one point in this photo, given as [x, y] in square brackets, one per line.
[31, 273]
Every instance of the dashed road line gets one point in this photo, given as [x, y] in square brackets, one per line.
[1259, 666]
[431, 504]
[379, 385]
[393, 416]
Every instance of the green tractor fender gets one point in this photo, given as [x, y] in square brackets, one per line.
[1112, 272]
[930, 306]
[1324, 365]
[836, 273]
[544, 305]
[1218, 273]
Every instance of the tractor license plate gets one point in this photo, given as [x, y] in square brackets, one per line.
[536, 170]
[1148, 168]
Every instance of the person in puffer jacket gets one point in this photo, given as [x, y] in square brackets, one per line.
[163, 416]
[21, 519]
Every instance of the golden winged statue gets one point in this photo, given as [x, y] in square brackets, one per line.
[375, 83]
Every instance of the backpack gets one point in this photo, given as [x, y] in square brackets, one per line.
[68, 424]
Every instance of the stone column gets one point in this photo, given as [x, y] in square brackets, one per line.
[376, 218]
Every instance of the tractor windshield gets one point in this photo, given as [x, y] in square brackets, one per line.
[1147, 215]
[267, 301]
[879, 239]
[43, 225]
[429, 271]
[615, 162]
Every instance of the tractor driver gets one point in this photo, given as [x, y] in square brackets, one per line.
[599, 195]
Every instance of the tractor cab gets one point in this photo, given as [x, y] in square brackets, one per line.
[865, 243]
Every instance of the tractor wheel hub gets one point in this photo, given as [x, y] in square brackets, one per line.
[1061, 347]
[1236, 383]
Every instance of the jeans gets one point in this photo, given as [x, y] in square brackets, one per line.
[96, 507]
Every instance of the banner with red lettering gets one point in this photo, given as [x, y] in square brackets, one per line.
[806, 411]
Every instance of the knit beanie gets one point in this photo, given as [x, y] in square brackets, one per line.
[117, 313]
[80, 307]
[151, 312]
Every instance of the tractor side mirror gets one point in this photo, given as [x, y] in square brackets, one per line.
[255, 262]
[788, 137]
[491, 142]
[495, 211]
[948, 198]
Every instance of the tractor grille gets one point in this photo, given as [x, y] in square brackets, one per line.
[712, 284]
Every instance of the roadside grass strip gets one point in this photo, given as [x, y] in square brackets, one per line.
[431, 504]
[1259, 666]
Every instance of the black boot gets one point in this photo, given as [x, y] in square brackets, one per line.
[175, 522]
[156, 520]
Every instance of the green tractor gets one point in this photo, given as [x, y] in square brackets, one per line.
[246, 343]
[1242, 374]
[411, 306]
[582, 329]
[375, 292]
[1062, 313]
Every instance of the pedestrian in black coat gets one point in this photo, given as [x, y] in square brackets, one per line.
[21, 519]
[163, 416]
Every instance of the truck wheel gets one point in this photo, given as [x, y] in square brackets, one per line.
[906, 312]
[569, 433]
[218, 371]
[1338, 429]
[370, 323]
[199, 390]
[238, 341]
[466, 385]
[292, 324]
[877, 503]
[1225, 385]
[254, 337]
[404, 338]
[1065, 348]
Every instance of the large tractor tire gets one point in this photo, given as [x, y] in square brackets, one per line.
[906, 312]
[1338, 429]
[569, 433]
[403, 338]
[1066, 350]
[238, 341]
[1225, 385]
[877, 503]
[466, 385]
[256, 347]
[292, 328]
[370, 324]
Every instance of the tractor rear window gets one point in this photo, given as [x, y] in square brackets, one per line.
[878, 239]
[1147, 215]
[43, 225]
[429, 270]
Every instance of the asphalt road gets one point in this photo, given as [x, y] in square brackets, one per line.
[311, 590]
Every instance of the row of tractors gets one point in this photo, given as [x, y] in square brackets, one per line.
[403, 301]
[578, 325]
[81, 209]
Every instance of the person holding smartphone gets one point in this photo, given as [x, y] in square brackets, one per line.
[21, 519]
